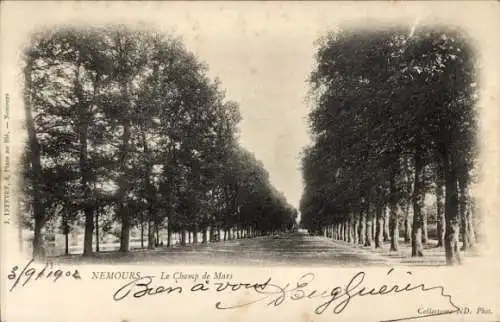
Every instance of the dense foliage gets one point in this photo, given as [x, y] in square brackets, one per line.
[126, 125]
[393, 119]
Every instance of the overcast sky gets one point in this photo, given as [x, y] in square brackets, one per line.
[262, 53]
[265, 71]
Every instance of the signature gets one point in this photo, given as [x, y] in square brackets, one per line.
[335, 299]
[29, 273]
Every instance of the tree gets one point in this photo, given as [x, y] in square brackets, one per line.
[125, 124]
[34, 156]
[388, 108]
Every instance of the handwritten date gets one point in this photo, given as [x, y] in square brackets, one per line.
[24, 276]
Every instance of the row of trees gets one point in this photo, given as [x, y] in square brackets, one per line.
[393, 120]
[126, 124]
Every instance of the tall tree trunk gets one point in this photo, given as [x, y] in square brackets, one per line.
[66, 233]
[66, 243]
[150, 233]
[36, 168]
[349, 225]
[97, 235]
[169, 233]
[211, 238]
[386, 225]
[374, 225]
[379, 225]
[407, 210]
[425, 232]
[440, 212]
[149, 189]
[123, 188]
[89, 231]
[157, 232]
[345, 227]
[452, 216]
[125, 229]
[463, 224]
[142, 231]
[418, 200]
[83, 126]
[393, 214]
[195, 234]
[407, 203]
[470, 226]
[369, 224]
[204, 235]
[465, 215]
[38, 245]
[394, 226]
[355, 228]
[183, 237]
[362, 227]
[478, 224]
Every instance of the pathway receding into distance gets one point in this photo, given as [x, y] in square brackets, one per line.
[294, 249]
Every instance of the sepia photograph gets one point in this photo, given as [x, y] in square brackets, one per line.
[189, 142]
[132, 147]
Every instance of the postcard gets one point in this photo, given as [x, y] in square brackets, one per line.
[249, 161]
